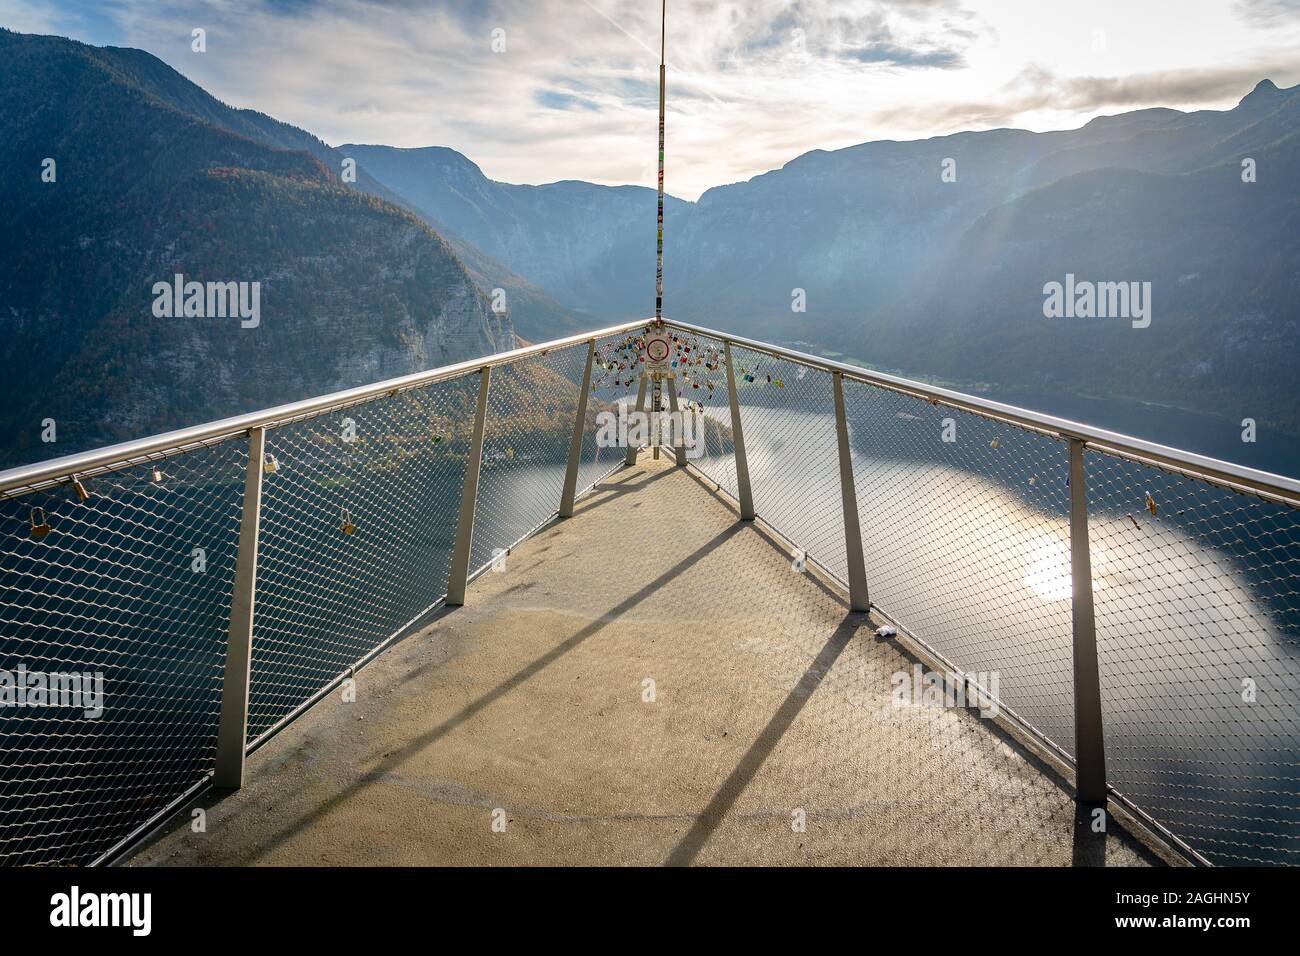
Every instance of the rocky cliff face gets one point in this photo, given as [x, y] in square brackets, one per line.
[591, 247]
[152, 178]
[350, 293]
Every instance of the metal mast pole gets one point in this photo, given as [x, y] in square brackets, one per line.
[659, 254]
[656, 396]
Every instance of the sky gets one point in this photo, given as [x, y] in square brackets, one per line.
[536, 91]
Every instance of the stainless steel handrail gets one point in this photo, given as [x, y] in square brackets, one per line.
[1092, 785]
[28, 477]
[1237, 477]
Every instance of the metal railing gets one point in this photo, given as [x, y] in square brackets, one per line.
[328, 527]
[1141, 603]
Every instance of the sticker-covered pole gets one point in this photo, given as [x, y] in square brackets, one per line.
[659, 243]
[656, 397]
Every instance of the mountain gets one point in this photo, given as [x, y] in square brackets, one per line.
[533, 312]
[1166, 206]
[943, 276]
[1222, 258]
[590, 247]
[152, 178]
[871, 225]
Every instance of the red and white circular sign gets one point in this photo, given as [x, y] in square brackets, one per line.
[658, 351]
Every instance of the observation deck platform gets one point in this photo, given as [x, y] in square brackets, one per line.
[648, 682]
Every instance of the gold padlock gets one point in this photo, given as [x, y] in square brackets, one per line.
[270, 465]
[40, 524]
[348, 526]
[82, 493]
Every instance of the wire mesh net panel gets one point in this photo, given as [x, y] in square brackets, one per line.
[613, 388]
[787, 411]
[114, 614]
[359, 510]
[1197, 596]
[701, 383]
[599, 457]
[531, 409]
[965, 528]
[615, 376]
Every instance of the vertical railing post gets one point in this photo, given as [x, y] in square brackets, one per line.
[858, 600]
[679, 431]
[1089, 742]
[738, 443]
[232, 728]
[575, 442]
[640, 399]
[460, 554]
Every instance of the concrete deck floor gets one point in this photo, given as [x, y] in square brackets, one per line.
[528, 705]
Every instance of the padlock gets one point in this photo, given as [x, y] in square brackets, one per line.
[40, 524]
[348, 526]
[157, 476]
[82, 493]
[271, 464]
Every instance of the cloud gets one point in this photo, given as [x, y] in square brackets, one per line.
[918, 34]
[886, 52]
[26, 17]
[557, 100]
[1037, 88]
[1267, 13]
[574, 92]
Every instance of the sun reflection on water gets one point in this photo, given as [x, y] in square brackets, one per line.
[1048, 569]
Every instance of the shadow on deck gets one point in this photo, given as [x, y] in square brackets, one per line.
[530, 705]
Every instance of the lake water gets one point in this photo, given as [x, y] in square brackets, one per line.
[1272, 451]
[967, 545]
